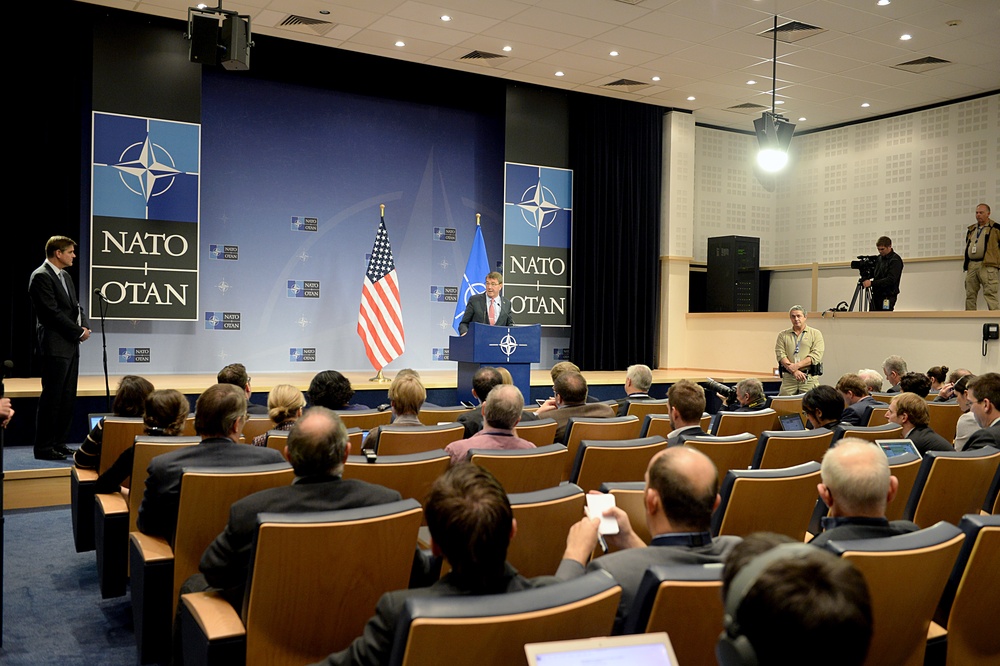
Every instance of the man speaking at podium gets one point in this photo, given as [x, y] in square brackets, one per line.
[487, 308]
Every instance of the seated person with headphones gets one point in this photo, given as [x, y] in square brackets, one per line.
[790, 603]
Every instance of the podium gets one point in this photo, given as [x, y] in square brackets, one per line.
[511, 347]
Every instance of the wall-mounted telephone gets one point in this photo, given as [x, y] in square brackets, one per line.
[990, 332]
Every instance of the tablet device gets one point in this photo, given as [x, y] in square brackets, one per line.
[634, 650]
[791, 422]
[897, 447]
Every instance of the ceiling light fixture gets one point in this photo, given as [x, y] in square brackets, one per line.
[905, 38]
[883, 3]
[507, 49]
[691, 98]
[400, 43]
[445, 18]
[751, 82]
[774, 132]
[656, 78]
[559, 74]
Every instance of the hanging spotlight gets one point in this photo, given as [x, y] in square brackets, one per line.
[774, 132]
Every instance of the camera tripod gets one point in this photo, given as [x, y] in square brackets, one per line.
[865, 295]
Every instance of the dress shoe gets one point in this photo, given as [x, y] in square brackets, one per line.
[65, 450]
[50, 454]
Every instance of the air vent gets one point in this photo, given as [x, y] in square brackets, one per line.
[921, 65]
[748, 108]
[792, 31]
[628, 85]
[306, 25]
[483, 57]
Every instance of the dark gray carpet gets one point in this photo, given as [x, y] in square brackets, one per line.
[52, 607]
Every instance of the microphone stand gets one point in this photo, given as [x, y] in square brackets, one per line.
[103, 310]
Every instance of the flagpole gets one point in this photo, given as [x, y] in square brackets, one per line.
[379, 378]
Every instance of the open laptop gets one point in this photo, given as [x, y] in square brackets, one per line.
[96, 418]
[897, 447]
[791, 422]
[634, 650]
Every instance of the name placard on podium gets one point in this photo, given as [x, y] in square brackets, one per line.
[511, 347]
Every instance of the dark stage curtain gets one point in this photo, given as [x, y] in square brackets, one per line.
[616, 156]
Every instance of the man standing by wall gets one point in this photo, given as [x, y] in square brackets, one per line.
[982, 260]
[61, 327]
[888, 271]
[799, 351]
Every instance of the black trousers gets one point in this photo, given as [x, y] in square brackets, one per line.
[55, 404]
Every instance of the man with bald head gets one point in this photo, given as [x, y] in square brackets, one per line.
[502, 411]
[856, 485]
[682, 491]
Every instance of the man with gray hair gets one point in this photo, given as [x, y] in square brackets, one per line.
[502, 412]
[638, 379]
[749, 397]
[894, 368]
[317, 448]
[799, 352]
[873, 379]
[857, 485]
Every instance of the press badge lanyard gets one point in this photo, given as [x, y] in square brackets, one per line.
[798, 343]
[975, 243]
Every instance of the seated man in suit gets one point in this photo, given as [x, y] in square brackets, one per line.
[873, 379]
[681, 493]
[858, 403]
[984, 395]
[488, 307]
[571, 400]
[857, 485]
[563, 367]
[791, 603]
[909, 411]
[236, 374]
[502, 411]
[638, 379]
[483, 381]
[317, 448]
[219, 416]
[894, 367]
[687, 404]
[915, 382]
[471, 525]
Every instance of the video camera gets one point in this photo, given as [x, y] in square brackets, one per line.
[866, 266]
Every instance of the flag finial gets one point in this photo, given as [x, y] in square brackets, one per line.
[477, 219]
[381, 208]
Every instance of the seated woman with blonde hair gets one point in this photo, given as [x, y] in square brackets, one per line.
[284, 407]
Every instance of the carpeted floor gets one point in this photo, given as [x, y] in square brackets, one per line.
[52, 608]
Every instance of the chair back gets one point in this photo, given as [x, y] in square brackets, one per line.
[779, 448]
[730, 452]
[523, 470]
[278, 439]
[904, 468]
[206, 495]
[540, 433]
[950, 484]
[992, 503]
[147, 448]
[884, 397]
[436, 415]
[626, 460]
[403, 440]
[492, 630]
[543, 520]
[366, 419]
[970, 603]
[734, 423]
[656, 424]
[356, 438]
[906, 575]
[410, 475]
[629, 498]
[686, 602]
[640, 408]
[944, 418]
[118, 434]
[188, 430]
[256, 425]
[287, 609]
[579, 428]
[886, 431]
[785, 404]
[767, 500]
[877, 416]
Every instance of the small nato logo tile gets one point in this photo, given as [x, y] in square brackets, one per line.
[224, 252]
[303, 289]
[302, 354]
[439, 354]
[442, 294]
[133, 354]
[560, 354]
[304, 223]
[445, 234]
[223, 321]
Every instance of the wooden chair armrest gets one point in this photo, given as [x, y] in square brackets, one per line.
[215, 616]
[109, 503]
[85, 475]
[151, 548]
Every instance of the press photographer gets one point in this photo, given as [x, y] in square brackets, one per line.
[747, 396]
[882, 273]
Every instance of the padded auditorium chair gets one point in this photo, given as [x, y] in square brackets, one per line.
[540, 433]
[992, 503]
[543, 520]
[300, 577]
[640, 408]
[440, 415]
[730, 452]
[906, 575]
[784, 404]
[685, 601]
[403, 440]
[629, 497]
[523, 470]
[256, 425]
[492, 630]
[951, 484]
[157, 570]
[767, 500]
[659, 424]
[624, 460]
[944, 418]
[366, 419]
[877, 416]
[410, 475]
[871, 433]
[579, 428]
[734, 423]
[780, 448]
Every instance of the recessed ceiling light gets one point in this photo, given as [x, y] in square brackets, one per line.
[883, 3]
[751, 82]
[507, 49]
[780, 101]
[656, 78]
[691, 98]
[905, 37]
[865, 105]
[202, 5]
[445, 18]
[613, 54]
[324, 12]
[802, 120]
[400, 43]
[560, 74]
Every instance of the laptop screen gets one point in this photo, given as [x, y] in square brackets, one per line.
[96, 418]
[897, 447]
[637, 650]
[791, 422]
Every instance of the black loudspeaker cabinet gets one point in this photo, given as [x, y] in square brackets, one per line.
[733, 274]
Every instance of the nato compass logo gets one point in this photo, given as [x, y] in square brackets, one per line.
[305, 223]
[144, 168]
[222, 321]
[560, 354]
[439, 354]
[441, 294]
[302, 354]
[133, 354]
[226, 252]
[445, 234]
[303, 289]
[508, 344]
[538, 206]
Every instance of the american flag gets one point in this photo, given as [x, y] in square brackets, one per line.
[380, 321]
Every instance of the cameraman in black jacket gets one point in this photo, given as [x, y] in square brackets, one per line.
[888, 271]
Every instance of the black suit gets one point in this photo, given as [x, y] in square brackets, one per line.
[859, 413]
[849, 528]
[477, 312]
[989, 436]
[926, 440]
[227, 559]
[56, 310]
[158, 511]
